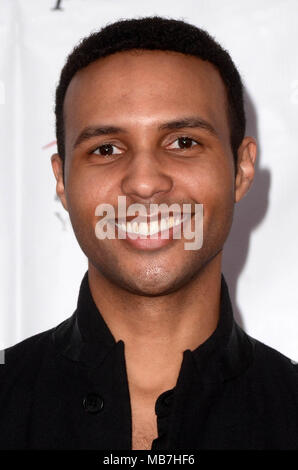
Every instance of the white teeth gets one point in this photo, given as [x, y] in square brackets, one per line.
[143, 228]
[152, 228]
[171, 222]
[163, 224]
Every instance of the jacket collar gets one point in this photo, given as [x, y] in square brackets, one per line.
[85, 338]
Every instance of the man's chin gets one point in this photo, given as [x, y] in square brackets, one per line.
[154, 286]
[151, 279]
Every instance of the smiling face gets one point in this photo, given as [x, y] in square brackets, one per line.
[162, 137]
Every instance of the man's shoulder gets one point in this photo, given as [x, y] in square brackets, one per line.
[272, 367]
[31, 374]
[28, 353]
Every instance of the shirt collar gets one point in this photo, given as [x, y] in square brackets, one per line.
[85, 337]
[229, 350]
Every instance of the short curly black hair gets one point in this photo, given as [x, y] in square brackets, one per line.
[155, 33]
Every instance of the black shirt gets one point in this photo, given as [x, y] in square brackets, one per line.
[67, 388]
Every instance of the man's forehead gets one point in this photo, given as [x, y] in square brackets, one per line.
[144, 66]
[142, 83]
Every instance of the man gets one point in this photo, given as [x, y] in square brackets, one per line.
[150, 110]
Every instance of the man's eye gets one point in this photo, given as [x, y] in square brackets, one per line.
[106, 149]
[184, 143]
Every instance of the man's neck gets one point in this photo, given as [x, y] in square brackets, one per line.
[157, 330]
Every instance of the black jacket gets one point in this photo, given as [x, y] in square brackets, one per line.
[66, 388]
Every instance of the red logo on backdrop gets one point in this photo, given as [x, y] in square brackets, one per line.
[50, 144]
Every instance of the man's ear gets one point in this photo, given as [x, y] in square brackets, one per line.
[57, 165]
[247, 154]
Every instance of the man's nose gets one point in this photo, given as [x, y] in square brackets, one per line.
[146, 177]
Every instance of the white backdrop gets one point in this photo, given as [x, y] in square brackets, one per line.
[41, 264]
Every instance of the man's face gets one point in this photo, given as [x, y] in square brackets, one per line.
[147, 162]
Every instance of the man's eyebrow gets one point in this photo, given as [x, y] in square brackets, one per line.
[96, 131]
[191, 122]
